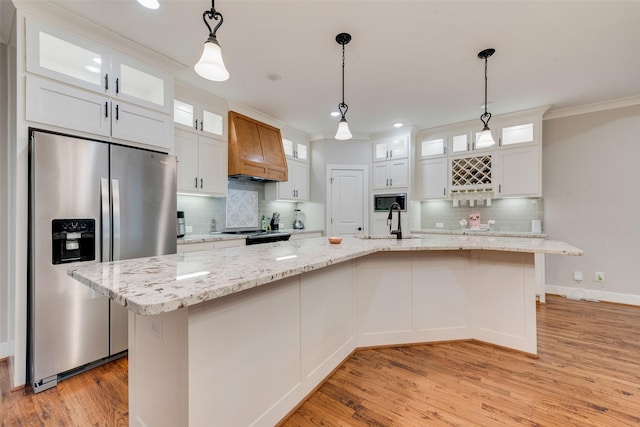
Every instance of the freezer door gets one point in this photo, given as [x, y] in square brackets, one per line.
[68, 322]
[143, 186]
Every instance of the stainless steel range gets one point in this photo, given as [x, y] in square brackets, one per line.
[254, 237]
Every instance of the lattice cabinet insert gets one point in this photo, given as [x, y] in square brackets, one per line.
[472, 173]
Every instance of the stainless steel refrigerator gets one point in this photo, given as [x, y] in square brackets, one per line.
[89, 201]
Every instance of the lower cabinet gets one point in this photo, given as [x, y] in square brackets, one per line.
[380, 227]
[208, 246]
[202, 164]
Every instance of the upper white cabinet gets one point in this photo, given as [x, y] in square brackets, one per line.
[295, 189]
[432, 179]
[511, 168]
[388, 148]
[295, 150]
[432, 147]
[192, 115]
[135, 97]
[519, 172]
[391, 162]
[391, 174]
[202, 164]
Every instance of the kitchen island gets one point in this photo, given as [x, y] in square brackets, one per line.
[239, 336]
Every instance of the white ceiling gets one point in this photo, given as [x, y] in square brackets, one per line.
[409, 61]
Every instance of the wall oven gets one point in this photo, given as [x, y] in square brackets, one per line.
[382, 202]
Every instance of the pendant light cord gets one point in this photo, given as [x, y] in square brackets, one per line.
[486, 116]
[212, 14]
[342, 106]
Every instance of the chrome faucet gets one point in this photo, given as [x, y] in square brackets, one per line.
[398, 231]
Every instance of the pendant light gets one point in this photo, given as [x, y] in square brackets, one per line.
[343, 127]
[485, 139]
[210, 66]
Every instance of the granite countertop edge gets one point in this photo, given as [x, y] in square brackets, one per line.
[219, 236]
[161, 284]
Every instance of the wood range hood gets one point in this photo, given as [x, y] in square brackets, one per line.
[255, 150]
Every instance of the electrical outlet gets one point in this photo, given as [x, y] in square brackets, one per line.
[439, 224]
[599, 276]
[577, 276]
[189, 229]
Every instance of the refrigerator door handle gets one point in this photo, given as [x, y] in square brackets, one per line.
[115, 197]
[106, 229]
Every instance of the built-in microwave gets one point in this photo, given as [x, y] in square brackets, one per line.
[382, 202]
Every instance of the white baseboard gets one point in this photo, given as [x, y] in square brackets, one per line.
[592, 294]
[6, 349]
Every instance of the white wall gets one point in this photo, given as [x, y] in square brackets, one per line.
[325, 152]
[591, 189]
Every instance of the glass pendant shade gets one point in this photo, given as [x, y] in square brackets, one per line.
[485, 139]
[343, 130]
[210, 66]
[149, 4]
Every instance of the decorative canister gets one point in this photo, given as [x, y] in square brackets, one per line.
[474, 220]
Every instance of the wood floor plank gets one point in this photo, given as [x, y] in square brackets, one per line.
[587, 374]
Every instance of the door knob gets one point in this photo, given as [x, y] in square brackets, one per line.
[359, 228]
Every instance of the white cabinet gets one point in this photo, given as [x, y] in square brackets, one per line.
[432, 179]
[433, 147]
[295, 150]
[391, 174]
[519, 172]
[202, 164]
[296, 188]
[381, 228]
[135, 98]
[395, 147]
[189, 114]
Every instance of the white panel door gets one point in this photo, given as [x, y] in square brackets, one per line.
[347, 202]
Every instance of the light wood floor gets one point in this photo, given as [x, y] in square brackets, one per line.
[587, 373]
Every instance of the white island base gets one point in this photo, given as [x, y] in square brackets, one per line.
[250, 358]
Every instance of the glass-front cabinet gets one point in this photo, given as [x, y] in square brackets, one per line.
[388, 148]
[295, 150]
[190, 115]
[64, 56]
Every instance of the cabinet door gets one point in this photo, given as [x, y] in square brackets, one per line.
[65, 56]
[398, 173]
[391, 148]
[212, 166]
[301, 152]
[301, 180]
[286, 189]
[432, 179]
[67, 107]
[519, 172]
[185, 148]
[380, 175]
[137, 124]
[139, 83]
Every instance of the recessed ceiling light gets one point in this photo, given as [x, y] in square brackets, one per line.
[274, 77]
[334, 113]
[398, 125]
[92, 68]
[149, 4]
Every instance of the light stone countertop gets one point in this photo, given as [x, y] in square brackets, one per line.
[218, 236]
[481, 233]
[165, 283]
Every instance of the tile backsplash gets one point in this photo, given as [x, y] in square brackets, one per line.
[199, 211]
[509, 214]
